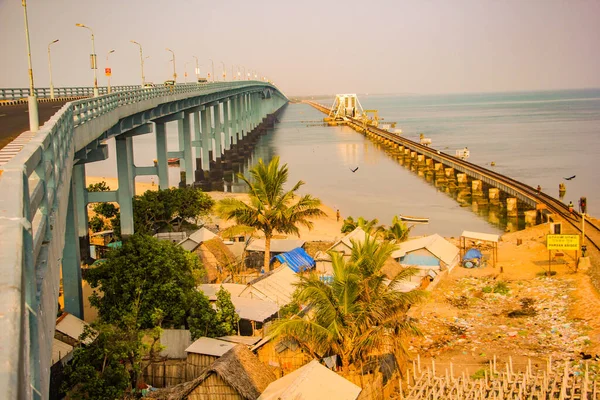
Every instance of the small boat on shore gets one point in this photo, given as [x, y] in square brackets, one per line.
[414, 220]
[173, 161]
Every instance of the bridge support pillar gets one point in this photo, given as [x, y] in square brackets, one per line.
[494, 195]
[80, 193]
[126, 180]
[234, 121]
[161, 155]
[71, 260]
[218, 132]
[188, 167]
[204, 166]
[530, 217]
[477, 188]
[511, 207]
[462, 180]
[226, 125]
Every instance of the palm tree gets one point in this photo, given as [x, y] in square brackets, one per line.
[368, 226]
[271, 208]
[359, 313]
[398, 230]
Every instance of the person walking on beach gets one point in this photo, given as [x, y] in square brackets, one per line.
[571, 207]
[337, 215]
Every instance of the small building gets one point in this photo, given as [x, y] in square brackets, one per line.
[283, 355]
[203, 352]
[311, 382]
[277, 286]
[173, 237]
[256, 250]
[69, 328]
[195, 239]
[344, 245]
[253, 312]
[102, 238]
[297, 259]
[237, 375]
[429, 254]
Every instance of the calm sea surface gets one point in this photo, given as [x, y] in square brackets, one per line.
[536, 137]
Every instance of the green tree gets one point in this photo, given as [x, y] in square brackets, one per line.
[107, 210]
[359, 312]
[96, 224]
[160, 274]
[271, 208]
[155, 210]
[111, 359]
[227, 318]
[101, 186]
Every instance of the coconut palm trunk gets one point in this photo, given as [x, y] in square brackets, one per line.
[267, 265]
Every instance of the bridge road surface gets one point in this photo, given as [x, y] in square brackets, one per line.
[14, 120]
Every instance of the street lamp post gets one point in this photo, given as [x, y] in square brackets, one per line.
[92, 58]
[109, 73]
[141, 61]
[174, 73]
[197, 69]
[34, 121]
[213, 69]
[185, 70]
[224, 73]
[50, 69]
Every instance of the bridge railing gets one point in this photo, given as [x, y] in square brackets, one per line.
[88, 91]
[34, 187]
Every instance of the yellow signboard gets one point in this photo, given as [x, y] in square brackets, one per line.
[562, 242]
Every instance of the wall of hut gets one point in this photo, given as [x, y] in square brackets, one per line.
[196, 363]
[214, 388]
[166, 373]
[283, 362]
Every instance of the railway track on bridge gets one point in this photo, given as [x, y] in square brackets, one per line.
[557, 207]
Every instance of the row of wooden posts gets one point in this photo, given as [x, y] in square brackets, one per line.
[556, 381]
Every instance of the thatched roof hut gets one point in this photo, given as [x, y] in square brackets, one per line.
[237, 374]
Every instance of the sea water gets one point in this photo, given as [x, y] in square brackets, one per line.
[539, 138]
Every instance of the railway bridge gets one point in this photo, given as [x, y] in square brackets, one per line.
[43, 196]
[455, 171]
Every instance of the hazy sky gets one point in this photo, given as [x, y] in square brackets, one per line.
[314, 47]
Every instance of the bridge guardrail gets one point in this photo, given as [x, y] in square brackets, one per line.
[32, 184]
[44, 93]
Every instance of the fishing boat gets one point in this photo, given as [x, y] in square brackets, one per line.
[414, 220]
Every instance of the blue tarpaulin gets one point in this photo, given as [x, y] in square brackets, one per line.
[472, 254]
[298, 260]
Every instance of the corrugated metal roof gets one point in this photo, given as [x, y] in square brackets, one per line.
[435, 244]
[245, 340]
[254, 309]
[195, 239]
[70, 325]
[357, 235]
[210, 346]
[487, 237]
[59, 350]
[311, 382]
[298, 260]
[211, 289]
[277, 286]
[277, 245]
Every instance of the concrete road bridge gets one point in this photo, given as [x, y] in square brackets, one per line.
[43, 200]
